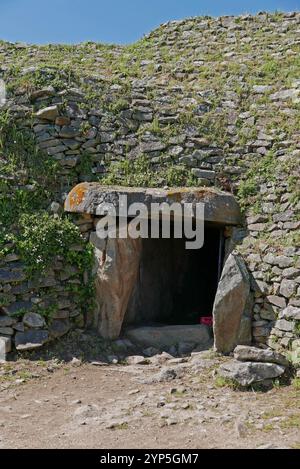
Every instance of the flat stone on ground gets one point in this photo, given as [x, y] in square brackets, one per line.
[165, 336]
[245, 353]
[137, 360]
[247, 373]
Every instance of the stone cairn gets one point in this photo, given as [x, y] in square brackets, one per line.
[170, 91]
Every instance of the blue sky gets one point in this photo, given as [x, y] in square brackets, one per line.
[118, 21]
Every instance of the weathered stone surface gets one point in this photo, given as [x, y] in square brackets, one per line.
[277, 301]
[166, 374]
[281, 261]
[150, 351]
[59, 328]
[285, 94]
[42, 93]
[164, 337]
[284, 325]
[291, 273]
[137, 360]
[48, 113]
[220, 206]
[17, 307]
[288, 288]
[5, 347]
[6, 321]
[245, 353]
[291, 312]
[34, 320]
[19, 327]
[7, 276]
[267, 314]
[284, 261]
[247, 373]
[30, 339]
[117, 268]
[230, 305]
[6, 331]
[260, 89]
[204, 173]
[185, 348]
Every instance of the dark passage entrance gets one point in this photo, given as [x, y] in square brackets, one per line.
[176, 285]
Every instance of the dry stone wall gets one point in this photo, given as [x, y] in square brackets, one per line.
[204, 101]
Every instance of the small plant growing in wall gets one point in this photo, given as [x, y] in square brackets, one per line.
[142, 172]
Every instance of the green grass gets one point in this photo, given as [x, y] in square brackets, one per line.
[221, 382]
[292, 421]
[296, 384]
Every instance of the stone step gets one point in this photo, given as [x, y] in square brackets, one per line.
[162, 337]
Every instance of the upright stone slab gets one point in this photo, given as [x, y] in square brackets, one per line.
[117, 269]
[5, 347]
[231, 311]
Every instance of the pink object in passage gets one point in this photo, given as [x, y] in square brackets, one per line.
[206, 320]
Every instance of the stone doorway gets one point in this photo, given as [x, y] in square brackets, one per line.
[158, 289]
[172, 301]
[176, 285]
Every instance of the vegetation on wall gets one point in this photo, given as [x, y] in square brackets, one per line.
[141, 172]
[29, 182]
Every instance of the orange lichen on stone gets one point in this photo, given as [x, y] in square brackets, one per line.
[76, 196]
[178, 194]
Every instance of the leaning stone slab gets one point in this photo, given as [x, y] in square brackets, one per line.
[247, 373]
[117, 262]
[245, 353]
[5, 347]
[231, 311]
[30, 340]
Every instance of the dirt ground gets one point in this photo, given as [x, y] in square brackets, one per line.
[169, 403]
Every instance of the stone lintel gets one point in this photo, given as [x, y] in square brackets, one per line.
[220, 207]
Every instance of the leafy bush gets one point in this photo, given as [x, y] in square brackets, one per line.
[43, 236]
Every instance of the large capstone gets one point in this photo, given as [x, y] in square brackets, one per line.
[219, 207]
[232, 307]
